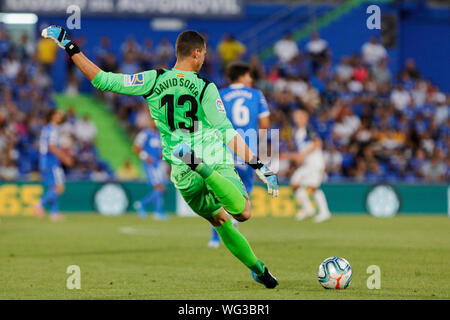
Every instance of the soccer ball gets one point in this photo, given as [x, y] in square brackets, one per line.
[335, 273]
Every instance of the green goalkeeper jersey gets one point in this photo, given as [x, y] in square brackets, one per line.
[185, 107]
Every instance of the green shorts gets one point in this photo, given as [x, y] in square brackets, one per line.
[198, 195]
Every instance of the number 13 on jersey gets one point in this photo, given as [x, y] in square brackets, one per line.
[169, 101]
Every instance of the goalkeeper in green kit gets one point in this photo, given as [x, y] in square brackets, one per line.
[195, 133]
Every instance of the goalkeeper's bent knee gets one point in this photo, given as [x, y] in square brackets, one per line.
[226, 192]
[245, 215]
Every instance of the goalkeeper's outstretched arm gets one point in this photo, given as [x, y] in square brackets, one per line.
[136, 85]
[60, 36]
[86, 66]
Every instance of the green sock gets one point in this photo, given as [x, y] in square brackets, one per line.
[229, 196]
[239, 247]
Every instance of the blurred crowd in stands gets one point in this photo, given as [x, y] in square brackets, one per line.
[375, 126]
[25, 99]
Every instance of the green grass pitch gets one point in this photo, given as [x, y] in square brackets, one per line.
[128, 258]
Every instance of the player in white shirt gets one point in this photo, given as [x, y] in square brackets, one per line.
[308, 177]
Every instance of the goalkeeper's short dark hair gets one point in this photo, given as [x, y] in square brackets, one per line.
[187, 42]
[237, 69]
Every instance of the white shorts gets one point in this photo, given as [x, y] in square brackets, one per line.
[308, 176]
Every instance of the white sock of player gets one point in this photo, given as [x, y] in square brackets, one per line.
[302, 196]
[321, 201]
